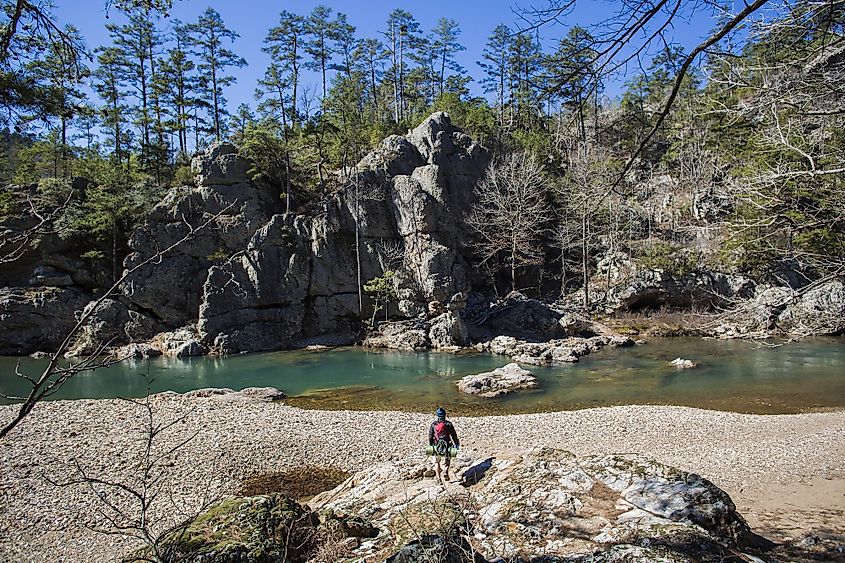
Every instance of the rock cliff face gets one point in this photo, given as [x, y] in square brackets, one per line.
[261, 279]
[298, 275]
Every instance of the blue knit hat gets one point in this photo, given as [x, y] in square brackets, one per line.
[440, 412]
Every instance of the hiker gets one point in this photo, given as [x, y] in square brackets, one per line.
[441, 437]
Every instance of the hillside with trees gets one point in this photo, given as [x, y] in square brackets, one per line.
[728, 159]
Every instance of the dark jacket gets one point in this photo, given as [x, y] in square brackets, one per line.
[451, 435]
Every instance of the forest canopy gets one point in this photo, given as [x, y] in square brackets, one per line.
[726, 155]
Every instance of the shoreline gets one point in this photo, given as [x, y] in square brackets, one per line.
[785, 472]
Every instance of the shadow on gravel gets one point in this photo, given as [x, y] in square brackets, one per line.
[300, 483]
[821, 545]
[474, 474]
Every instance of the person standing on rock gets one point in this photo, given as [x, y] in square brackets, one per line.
[442, 438]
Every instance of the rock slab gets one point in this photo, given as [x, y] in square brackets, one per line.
[500, 381]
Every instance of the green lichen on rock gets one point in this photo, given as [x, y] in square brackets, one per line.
[431, 517]
[259, 529]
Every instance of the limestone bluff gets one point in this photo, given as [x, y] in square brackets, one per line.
[265, 279]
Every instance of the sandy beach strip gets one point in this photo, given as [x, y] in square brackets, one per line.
[786, 473]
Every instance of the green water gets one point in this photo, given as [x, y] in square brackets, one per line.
[733, 375]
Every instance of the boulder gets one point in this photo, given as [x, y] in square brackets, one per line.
[682, 363]
[819, 310]
[545, 505]
[447, 331]
[140, 350]
[812, 311]
[111, 324]
[500, 381]
[265, 394]
[558, 351]
[83, 273]
[652, 289]
[526, 319]
[181, 343]
[400, 335]
[221, 165]
[37, 319]
[49, 277]
[255, 529]
[433, 547]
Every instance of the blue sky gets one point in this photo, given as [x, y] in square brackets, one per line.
[252, 18]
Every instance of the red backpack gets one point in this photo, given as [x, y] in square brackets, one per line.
[441, 431]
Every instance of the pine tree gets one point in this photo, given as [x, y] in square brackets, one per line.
[345, 45]
[176, 85]
[64, 75]
[133, 42]
[445, 46]
[108, 82]
[321, 32]
[403, 33]
[371, 54]
[284, 45]
[496, 67]
[207, 36]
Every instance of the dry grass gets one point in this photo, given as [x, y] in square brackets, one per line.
[664, 322]
[300, 483]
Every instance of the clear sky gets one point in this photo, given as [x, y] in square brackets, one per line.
[252, 18]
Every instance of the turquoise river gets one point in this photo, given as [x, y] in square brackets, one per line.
[732, 375]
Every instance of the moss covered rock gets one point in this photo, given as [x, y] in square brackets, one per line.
[259, 529]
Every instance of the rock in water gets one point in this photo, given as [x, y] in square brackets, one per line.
[448, 330]
[500, 381]
[682, 363]
[400, 335]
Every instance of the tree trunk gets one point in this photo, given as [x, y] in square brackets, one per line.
[585, 259]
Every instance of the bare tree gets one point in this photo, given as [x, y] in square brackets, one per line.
[511, 213]
[586, 180]
[15, 242]
[134, 508]
[792, 204]
[625, 38]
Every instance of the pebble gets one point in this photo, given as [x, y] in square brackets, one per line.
[229, 440]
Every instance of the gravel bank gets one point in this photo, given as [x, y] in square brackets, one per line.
[752, 457]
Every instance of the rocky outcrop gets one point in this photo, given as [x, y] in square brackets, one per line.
[652, 289]
[814, 310]
[400, 335]
[553, 352]
[448, 331]
[171, 290]
[297, 277]
[543, 504]
[37, 319]
[500, 381]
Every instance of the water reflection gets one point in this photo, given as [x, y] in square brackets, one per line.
[731, 376]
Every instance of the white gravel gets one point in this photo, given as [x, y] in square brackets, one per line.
[43, 521]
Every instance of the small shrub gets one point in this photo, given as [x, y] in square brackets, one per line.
[184, 176]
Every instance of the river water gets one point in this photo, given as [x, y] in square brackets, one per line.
[732, 375]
